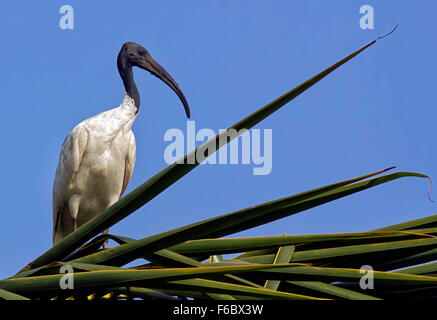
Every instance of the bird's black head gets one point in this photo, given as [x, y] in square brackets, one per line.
[135, 55]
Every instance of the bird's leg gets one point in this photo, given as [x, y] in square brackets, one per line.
[111, 202]
[105, 244]
[73, 207]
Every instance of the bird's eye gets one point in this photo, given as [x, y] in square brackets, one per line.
[141, 52]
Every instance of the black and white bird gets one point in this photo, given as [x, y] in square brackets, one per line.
[98, 156]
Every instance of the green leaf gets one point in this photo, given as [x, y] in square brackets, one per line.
[427, 222]
[7, 295]
[95, 244]
[350, 256]
[169, 257]
[234, 245]
[54, 268]
[347, 251]
[117, 278]
[283, 256]
[308, 273]
[430, 267]
[409, 260]
[333, 290]
[263, 259]
[215, 286]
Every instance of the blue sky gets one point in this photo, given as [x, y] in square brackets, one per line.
[230, 58]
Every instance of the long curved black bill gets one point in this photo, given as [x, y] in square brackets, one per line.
[150, 64]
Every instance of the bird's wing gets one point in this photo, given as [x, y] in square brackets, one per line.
[71, 156]
[130, 163]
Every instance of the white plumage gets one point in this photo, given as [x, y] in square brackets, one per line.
[95, 166]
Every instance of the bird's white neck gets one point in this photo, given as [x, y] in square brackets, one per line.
[128, 104]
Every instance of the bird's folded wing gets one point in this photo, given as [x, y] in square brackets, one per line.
[72, 152]
[71, 156]
[130, 163]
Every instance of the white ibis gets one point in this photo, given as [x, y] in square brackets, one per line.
[98, 156]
